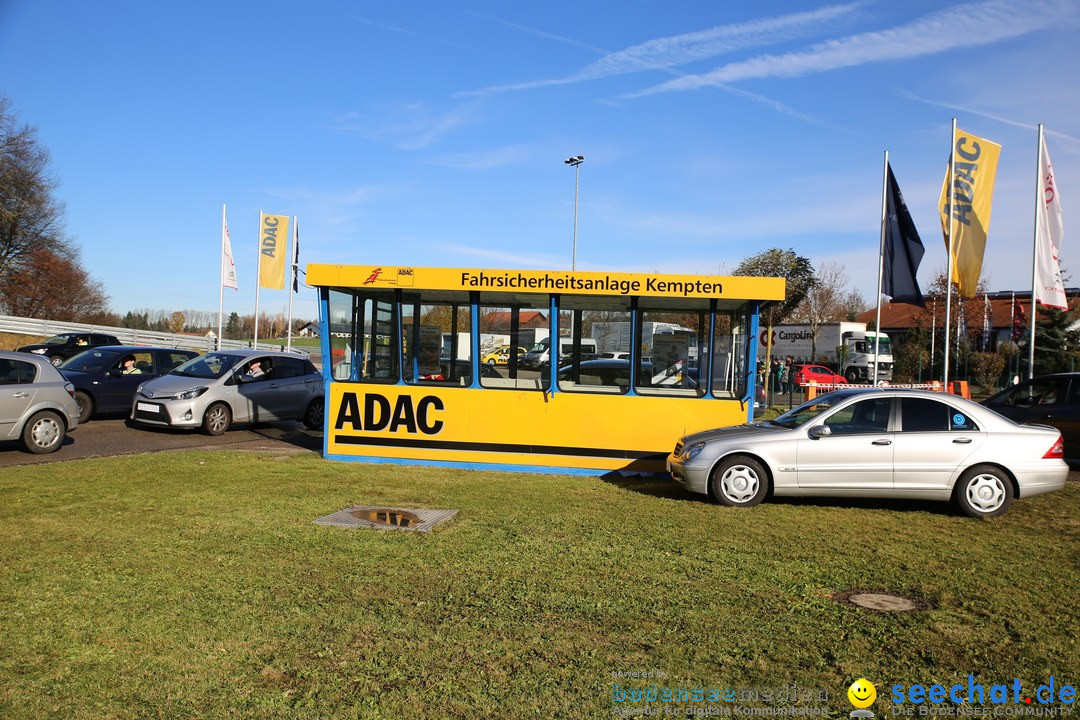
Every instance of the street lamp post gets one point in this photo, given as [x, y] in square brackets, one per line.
[575, 162]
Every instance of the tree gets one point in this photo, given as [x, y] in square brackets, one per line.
[176, 322]
[1057, 348]
[774, 262]
[824, 301]
[232, 326]
[786, 264]
[986, 369]
[47, 285]
[30, 218]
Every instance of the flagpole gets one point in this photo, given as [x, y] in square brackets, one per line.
[881, 263]
[295, 237]
[949, 247]
[258, 280]
[1035, 250]
[221, 283]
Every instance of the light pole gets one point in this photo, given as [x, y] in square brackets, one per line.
[575, 162]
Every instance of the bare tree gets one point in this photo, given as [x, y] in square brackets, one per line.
[824, 302]
[30, 218]
[54, 287]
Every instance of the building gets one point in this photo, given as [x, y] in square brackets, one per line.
[987, 320]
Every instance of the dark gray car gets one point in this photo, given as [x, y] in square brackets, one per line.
[37, 405]
[1049, 400]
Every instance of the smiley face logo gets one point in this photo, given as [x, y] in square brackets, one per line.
[862, 693]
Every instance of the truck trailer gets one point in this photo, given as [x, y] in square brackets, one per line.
[846, 347]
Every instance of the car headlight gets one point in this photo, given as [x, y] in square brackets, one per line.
[692, 452]
[40, 351]
[191, 394]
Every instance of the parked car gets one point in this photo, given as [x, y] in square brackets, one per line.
[37, 405]
[501, 356]
[1049, 400]
[819, 374]
[616, 373]
[60, 347]
[613, 355]
[215, 390]
[874, 442]
[103, 385]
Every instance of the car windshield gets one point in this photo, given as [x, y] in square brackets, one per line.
[210, 366]
[57, 340]
[92, 360]
[809, 410]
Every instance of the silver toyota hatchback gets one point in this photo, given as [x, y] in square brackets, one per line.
[873, 442]
[215, 390]
[37, 405]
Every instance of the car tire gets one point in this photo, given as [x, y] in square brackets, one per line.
[852, 377]
[983, 491]
[739, 481]
[86, 406]
[313, 415]
[56, 360]
[44, 432]
[217, 419]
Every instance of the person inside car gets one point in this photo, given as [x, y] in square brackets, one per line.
[129, 367]
[255, 370]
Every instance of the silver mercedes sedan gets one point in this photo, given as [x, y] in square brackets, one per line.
[876, 442]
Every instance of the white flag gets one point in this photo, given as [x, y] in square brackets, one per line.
[228, 265]
[1049, 233]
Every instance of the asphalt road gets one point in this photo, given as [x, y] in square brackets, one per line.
[102, 438]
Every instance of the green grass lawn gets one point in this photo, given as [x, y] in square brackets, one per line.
[194, 585]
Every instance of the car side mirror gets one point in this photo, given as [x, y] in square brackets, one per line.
[116, 372]
[820, 431]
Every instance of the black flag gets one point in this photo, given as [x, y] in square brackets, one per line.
[903, 249]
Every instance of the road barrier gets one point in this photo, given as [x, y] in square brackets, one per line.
[129, 336]
[956, 387]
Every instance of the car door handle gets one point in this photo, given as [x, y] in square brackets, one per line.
[962, 441]
[882, 442]
[21, 395]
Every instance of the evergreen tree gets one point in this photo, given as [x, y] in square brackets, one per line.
[232, 326]
[1057, 346]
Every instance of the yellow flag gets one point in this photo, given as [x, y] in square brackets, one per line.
[273, 247]
[972, 181]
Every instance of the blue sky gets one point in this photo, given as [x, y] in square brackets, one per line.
[434, 133]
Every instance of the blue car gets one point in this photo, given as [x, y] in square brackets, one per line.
[106, 378]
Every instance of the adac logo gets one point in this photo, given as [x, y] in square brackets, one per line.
[373, 276]
[862, 695]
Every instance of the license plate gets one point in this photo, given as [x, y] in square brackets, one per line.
[147, 407]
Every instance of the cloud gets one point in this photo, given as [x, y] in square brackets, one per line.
[1070, 144]
[967, 25]
[485, 160]
[668, 53]
[413, 126]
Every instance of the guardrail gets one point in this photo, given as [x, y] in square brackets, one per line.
[129, 336]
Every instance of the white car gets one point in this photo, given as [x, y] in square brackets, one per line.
[876, 442]
[37, 405]
[215, 390]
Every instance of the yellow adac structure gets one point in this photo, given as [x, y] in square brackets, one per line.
[543, 427]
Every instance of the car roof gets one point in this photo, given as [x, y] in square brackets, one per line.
[139, 348]
[40, 360]
[245, 353]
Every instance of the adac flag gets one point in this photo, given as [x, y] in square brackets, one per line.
[903, 249]
[971, 172]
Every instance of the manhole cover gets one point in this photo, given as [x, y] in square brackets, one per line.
[882, 601]
[387, 518]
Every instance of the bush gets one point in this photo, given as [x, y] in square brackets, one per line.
[986, 369]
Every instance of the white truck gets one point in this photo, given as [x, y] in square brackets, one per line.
[615, 336]
[856, 359]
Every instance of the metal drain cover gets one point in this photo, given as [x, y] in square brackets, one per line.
[387, 518]
[882, 601]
